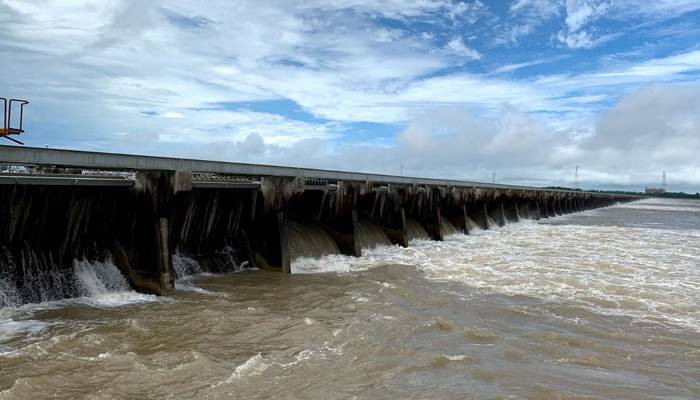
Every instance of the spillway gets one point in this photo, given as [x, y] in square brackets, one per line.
[372, 235]
[81, 222]
[310, 240]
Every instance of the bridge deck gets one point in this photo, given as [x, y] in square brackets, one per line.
[16, 155]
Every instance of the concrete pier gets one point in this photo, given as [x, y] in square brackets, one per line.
[140, 211]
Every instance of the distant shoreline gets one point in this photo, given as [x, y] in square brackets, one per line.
[667, 195]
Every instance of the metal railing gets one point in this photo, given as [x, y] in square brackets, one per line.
[7, 128]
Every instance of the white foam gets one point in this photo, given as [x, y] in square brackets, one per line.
[186, 270]
[103, 285]
[327, 263]
[648, 274]
[185, 266]
[12, 329]
[8, 293]
[97, 278]
[115, 299]
[253, 366]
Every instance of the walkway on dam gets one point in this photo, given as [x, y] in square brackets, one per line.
[34, 156]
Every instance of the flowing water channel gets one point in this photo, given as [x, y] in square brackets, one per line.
[603, 304]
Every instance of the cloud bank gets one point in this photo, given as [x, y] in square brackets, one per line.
[444, 88]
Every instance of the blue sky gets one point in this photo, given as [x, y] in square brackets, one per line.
[528, 89]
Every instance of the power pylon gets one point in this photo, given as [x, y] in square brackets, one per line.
[663, 180]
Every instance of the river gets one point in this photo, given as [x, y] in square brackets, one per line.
[603, 304]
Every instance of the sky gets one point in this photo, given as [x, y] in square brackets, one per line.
[524, 89]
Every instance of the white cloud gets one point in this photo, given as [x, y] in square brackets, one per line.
[514, 67]
[543, 9]
[660, 68]
[528, 16]
[581, 12]
[173, 114]
[648, 131]
[93, 70]
[577, 40]
[456, 46]
[579, 28]
[470, 12]
[657, 8]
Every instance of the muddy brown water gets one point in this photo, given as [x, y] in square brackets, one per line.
[598, 305]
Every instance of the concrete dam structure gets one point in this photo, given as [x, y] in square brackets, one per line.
[59, 207]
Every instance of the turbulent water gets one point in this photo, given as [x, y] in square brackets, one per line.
[603, 304]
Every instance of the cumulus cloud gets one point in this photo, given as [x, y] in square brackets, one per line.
[659, 121]
[648, 131]
[176, 78]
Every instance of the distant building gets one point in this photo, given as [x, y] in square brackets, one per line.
[654, 190]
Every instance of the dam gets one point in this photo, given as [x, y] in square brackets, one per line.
[145, 214]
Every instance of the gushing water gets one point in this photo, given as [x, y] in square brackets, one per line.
[372, 235]
[310, 240]
[415, 230]
[98, 278]
[448, 228]
[596, 305]
[43, 280]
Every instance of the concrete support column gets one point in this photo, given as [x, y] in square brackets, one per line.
[404, 231]
[557, 207]
[166, 276]
[516, 212]
[485, 217]
[501, 215]
[397, 230]
[143, 250]
[345, 231]
[542, 210]
[283, 234]
[466, 219]
[550, 209]
[536, 210]
[434, 227]
[524, 210]
[356, 245]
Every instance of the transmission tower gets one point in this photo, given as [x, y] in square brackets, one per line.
[493, 177]
[663, 180]
[576, 177]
